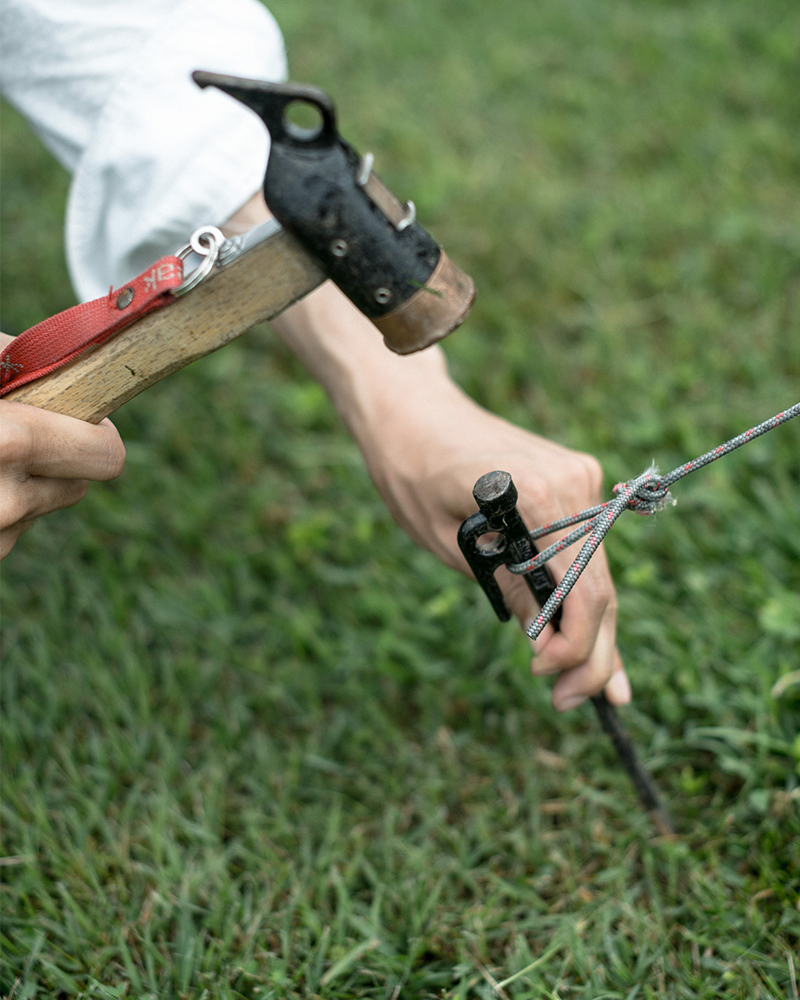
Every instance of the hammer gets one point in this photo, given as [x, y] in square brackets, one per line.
[496, 497]
[333, 219]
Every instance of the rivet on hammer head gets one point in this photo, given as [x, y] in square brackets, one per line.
[382, 296]
[125, 298]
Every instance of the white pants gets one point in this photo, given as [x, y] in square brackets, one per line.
[106, 85]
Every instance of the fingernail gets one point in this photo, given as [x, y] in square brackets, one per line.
[572, 702]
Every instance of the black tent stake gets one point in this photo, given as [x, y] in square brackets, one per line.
[496, 497]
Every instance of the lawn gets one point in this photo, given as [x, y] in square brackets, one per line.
[257, 745]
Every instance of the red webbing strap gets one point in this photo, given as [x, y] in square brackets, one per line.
[52, 343]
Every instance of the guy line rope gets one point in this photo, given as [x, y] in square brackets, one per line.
[645, 494]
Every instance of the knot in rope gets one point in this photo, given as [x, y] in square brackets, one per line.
[646, 494]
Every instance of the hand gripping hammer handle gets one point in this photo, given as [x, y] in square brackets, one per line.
[496, 497]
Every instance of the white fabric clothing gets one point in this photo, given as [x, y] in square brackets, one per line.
[106, 85]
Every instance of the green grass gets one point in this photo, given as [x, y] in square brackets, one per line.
[255, 744]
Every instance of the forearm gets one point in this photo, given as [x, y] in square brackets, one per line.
[426, 443]
[375, 391]
[342, 349]
[384, 400]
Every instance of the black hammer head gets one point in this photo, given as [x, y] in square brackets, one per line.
[495, 494]
[362, 236]
[496, 497]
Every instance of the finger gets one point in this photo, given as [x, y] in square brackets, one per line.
[591, 602]
[574, 686]
[521, 603]
[9, 536]
[618, 689]
[52, 445]
[573, 642]
[29, 498]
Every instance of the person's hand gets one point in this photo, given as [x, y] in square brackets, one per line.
[426, 443]
[425, 471]
[45, 462]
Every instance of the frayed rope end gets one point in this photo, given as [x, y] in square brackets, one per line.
[648, 495]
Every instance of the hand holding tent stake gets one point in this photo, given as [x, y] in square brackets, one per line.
[496, 497]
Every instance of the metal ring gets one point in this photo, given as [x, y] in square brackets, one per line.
[206, 242]
[364, 169]
[409, 218]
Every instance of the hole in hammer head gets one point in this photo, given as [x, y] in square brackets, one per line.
[491, 544]
[302, 121]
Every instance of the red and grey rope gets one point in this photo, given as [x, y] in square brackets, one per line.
[646, 494]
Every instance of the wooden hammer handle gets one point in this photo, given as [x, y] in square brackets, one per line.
[256, 287]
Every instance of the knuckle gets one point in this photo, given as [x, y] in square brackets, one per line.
[601, 678]
[596, 587]
[77, 491]
[16, 442]
[13, 509]
[598, 591]
[58, 495]
[116, 461]
[535, 494]
[113, 456]
[578, 484]
[589, 473]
